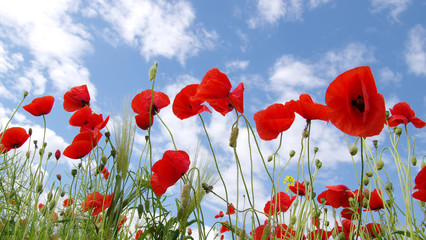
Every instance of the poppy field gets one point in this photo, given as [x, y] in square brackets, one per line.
[103, 197]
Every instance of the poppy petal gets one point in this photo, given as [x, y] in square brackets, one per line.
[215, 85]
[40, 106]
[274, 120]
[76, 98]
[184, 107]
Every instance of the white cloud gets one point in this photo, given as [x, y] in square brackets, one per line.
[270, 11]
[395, 7]
[415, 55]
[54, 41]
[387, 76]
[236, 65]
[156, 28]
[316, 3]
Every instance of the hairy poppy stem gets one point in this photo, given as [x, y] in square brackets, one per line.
[360, 185]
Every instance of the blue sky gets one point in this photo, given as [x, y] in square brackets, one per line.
[278, 48]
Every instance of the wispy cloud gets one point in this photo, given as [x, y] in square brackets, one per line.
[156, 28]
[415, 50]
[395, 7]
[236, 65]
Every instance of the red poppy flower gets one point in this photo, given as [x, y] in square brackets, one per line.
[141, 104]
[105, 173]
[349, 213]
[138, 234]
[225, 105]
[123, 220]
[420, 185]
[298, 188]
[168, 170]
[219, 215]
[184, 107]
[76, 98]
[402, 113]
[40, 106]
[280, 203]
[259, 231]
[336, 196]
[308, 109]
[57, 154]
[67, 202]
[285, 233]
[372, 230]
[82, 144]
[12, 138]
[376, 201]
[40, 206]
[97, 202]
[273, 120]
[223, 228]
[215, 85]
[354, 106]
[230, 210]
[87, 120]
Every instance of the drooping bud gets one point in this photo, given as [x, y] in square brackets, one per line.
[49, 196]
[270, 158]
[62, 193]
[365, 180]
[380, 164]
[58, 176]
[315, 149]
[39, 188]
[41, 151]
[233, 138]
[107, 134]
[389, 203]
[104, 159]
[365, 203]
[57, 154]
[367, 193]
[80, 165]
[113, 153]
[25, 93]
[147, 205]
[305, 133]
[30, 131]
[389, 187]
[398, 131]
[74, 172]
[353, 150]
[140, 210]
[387, 114]
[49, 154]
[375, 142]
[318, 163]
[293, 220]
[414, 160]
[292, 153]
[52, 205]
[423, 164]
[369, 173]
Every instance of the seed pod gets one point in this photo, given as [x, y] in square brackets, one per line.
[292, 153]
[315, 149]
[74, 172]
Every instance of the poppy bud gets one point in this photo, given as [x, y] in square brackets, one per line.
[369, 173]
[41, 151]
[398, 131]
[414, 160]
[365, 203]
[318, 163]
[80, 165]
[140, 210]
[57, 154]
[52, 205]
[316, 214]
[351, 201]
[327, 223]
[113, 153]
[49, 154]
[30, 131]
[100, 168]
[153, 71]
[293, 220]
[367, 193]
[107, 134]
[146, 138]
[27, 154]
[62, 193]
[380, 164]
[44, 144]
[387, 114]
[305, 134]
[58, 176]
[25, 93]
[365, 180]
[270, 158]
[375, 142]
[423, 164]
[35, 143]
[147, 205]
[233, 138]
[315, 149]
[353, 150]
[292, 153]
[74, 172]
[49, 196]
[104, 159]
[206, 187]
[389, 187]
[39, 188]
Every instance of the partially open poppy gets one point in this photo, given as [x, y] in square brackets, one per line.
[225, 105]
[281, 202]
[105, 172]
[309, 109]
[274, 120]
[230, 210]
[141, 104]
[224, 228]
[76, 98]
[82, 144]
[40, 106]
[354, 106]
[299, 188]
[12, 138]
[420, 185]
[215, 85]
[67, 202]
[402, 113]
[97, 202]
[184, 107]
[168, 170]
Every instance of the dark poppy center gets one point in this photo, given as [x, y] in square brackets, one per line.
[154, 110]
[84, 103]
[358, 103]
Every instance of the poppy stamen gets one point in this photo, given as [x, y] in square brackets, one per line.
[358, 103]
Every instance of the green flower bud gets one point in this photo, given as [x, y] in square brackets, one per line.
[365, 180]
[327, 223]
[414, 160]
[49, 196]
[113, 153]
[423, 164]
[367, 193]
[387, 114]
[153, 71]
[185, 195]
[25, 93]
[74, 172]
[292, 153]
[233, 138]
[107, 134]
[104, 159]
[318, 163]
[62, 193]
[369, 173]
[305, 134]
[147, 205]
[293, 220]
[389, 187]
[52, 205]
[398, 131]
[30, 131]
[389, 203]
[140, 210]
[353, 150]
[365, 203]
[49, 154]
[270, 158]
[380, 164]
[315, 149]
[39, 188]
[80, 165]
[314, 195]
[41, 151]
[375, 142]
